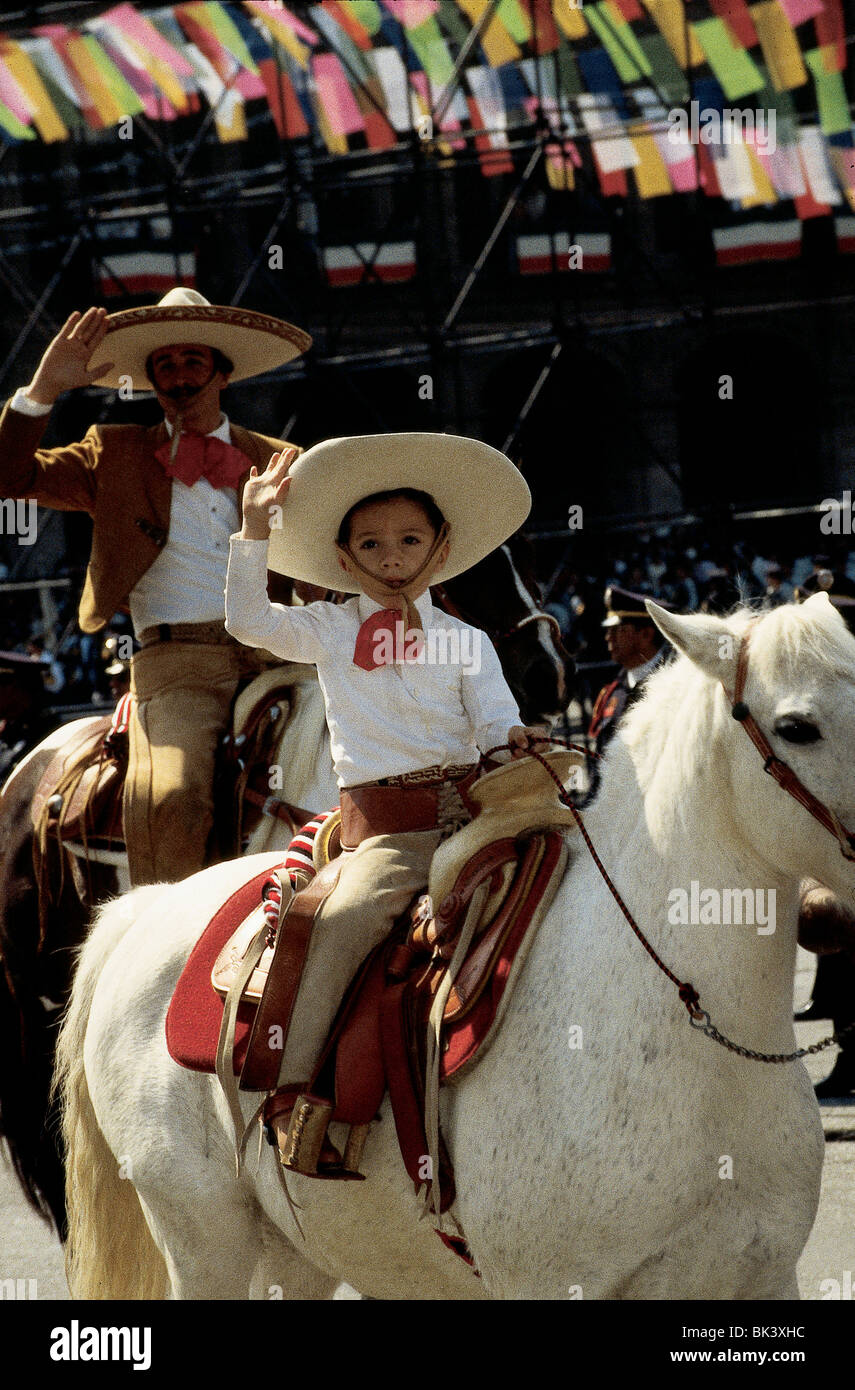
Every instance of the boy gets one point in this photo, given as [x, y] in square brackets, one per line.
[384, 516]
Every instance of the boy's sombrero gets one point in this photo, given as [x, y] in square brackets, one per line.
[253, 342]
[480, 492]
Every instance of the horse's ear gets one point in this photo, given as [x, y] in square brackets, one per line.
[818, 599]
[706, 640]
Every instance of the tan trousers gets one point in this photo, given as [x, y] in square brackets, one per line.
[183, 695]
[377, 881]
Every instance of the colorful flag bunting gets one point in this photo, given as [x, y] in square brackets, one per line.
[610, 74]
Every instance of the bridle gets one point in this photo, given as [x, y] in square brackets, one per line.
[782, 772]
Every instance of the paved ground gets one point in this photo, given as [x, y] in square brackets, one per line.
[31, 1254]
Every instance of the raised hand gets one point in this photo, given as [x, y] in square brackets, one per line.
[264, 495]
[63, 365]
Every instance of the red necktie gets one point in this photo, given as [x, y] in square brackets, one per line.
[381, 642]
[203, 456]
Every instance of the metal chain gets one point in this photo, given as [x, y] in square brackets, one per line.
[698, 1017]
[712, 1032]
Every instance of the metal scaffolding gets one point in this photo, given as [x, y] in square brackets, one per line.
[235, 204]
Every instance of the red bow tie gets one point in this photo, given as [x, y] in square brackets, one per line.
[203, 456]
[381, 641]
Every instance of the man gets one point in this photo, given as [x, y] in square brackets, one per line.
[638, 647]
[164, 502]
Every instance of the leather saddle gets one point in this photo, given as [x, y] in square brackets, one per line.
[79, 796]
[450, 965]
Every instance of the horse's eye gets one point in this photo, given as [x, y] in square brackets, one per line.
[797, 730]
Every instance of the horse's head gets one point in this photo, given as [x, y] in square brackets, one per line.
[780, 700]
[500, 596]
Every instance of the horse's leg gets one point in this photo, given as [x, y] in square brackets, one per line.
[284, 1273]
[215, 1240]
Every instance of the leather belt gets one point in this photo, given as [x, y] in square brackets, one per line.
[423, 776]
[394, 807]
[212, 633]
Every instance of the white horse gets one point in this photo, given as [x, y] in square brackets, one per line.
[603, 1147]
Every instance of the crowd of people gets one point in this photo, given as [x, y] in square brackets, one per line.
[680, 567]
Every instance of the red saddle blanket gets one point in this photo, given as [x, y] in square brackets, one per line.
[365, 1029]
[378, 1039]
[196, 1010]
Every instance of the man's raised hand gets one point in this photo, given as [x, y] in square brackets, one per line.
[63, 365]
[264, 495]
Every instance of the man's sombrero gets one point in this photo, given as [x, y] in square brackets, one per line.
[479, 491]
[253, 342]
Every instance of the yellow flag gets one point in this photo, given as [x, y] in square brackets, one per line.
[46, 118]
[780, 46]
[569, 19]
[228, 131]
[764, 191]
[102, 98]
[670, 15]
[651, 172]
[495, 40]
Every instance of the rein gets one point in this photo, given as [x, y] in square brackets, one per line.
[698, 1017]
[779, 770]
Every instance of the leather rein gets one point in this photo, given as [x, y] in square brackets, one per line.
[787, 779]
[782, 772]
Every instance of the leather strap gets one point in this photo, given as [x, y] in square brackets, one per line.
[780, 771]
[262, 1064]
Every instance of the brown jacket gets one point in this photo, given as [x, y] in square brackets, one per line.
[113, 475]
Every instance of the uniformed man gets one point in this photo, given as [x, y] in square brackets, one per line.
[638, 647]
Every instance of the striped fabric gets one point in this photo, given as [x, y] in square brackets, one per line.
[298, 859]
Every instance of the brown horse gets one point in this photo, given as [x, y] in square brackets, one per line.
[499, 595]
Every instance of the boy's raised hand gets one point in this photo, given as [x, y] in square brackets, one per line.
[265, 494]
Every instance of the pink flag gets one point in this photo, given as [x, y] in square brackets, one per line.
[797, 11]
[335, 95]
[13, 96]
[411, 13]
[136, 27]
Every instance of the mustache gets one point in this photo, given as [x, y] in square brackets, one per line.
[182, 393]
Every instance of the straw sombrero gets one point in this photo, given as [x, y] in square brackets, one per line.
[253, 342]
[480, 492]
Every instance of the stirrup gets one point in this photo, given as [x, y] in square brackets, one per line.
[300, 1125]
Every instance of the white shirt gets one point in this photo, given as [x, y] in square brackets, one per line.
[185, 582]
[395, 718]
[640, 673]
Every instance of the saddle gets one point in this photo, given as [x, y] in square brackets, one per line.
[424, 1006]
[79, 796]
